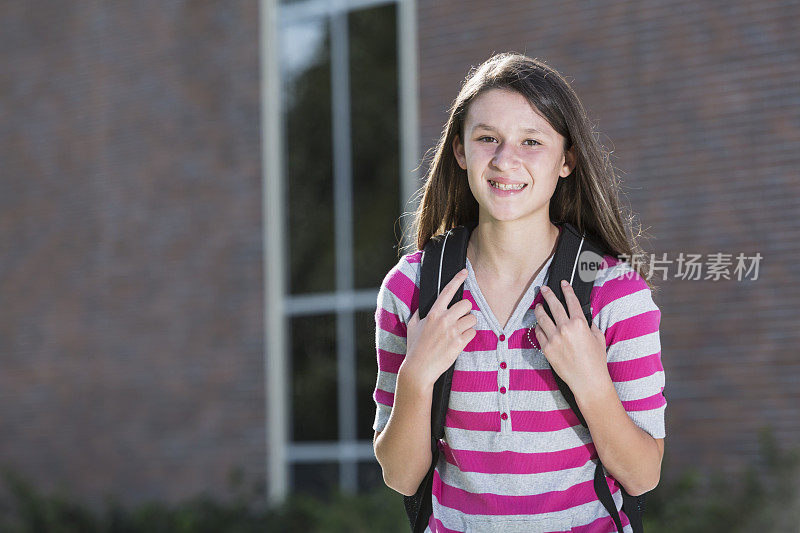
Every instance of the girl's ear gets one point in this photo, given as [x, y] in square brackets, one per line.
[570, 160]
[458, 151]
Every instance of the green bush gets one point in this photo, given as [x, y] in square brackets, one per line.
[764, 498]
[767, 500]
[28, 511]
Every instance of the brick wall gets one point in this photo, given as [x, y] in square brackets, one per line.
[130, 227]
[699, 102]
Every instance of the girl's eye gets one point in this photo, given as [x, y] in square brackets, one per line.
[526, 140]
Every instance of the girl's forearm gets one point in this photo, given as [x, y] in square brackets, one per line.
[403, 448]
[628, 453]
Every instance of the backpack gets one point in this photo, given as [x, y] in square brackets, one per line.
[443, 256]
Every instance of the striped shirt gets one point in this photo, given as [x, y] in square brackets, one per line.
[514, 456]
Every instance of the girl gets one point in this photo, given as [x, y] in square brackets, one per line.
[519, 156]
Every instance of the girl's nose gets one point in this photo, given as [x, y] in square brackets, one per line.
[505, 157]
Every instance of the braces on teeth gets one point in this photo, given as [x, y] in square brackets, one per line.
[503, 187]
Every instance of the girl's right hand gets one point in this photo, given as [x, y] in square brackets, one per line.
[433, 343]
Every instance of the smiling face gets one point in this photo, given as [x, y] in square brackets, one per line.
[507, 143]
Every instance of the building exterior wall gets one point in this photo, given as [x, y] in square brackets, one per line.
[130, 220]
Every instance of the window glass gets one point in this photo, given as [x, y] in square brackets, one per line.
[367, 373]
[375, 142]
[313, 369]
[315, 479]
[306, 95]
[370, 476]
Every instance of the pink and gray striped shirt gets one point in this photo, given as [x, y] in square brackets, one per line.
[514, 456]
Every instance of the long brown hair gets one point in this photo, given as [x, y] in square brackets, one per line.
[588, 198]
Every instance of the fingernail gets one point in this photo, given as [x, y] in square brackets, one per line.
[545, 288]
[564, 283]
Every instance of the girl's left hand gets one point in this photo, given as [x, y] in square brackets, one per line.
[575, 351]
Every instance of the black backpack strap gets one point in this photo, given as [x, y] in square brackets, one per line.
[442, 258]
[448, 255]
[577, 259]
[572, 247]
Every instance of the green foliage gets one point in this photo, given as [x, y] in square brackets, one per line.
[28, 511]
[766, 499]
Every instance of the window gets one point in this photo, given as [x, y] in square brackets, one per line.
[343, 157]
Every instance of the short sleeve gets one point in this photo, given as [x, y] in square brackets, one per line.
[397, 301]
[623, 308]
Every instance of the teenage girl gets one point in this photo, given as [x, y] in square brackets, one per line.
[518, 154]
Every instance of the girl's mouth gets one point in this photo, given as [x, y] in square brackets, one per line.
[506, 190]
